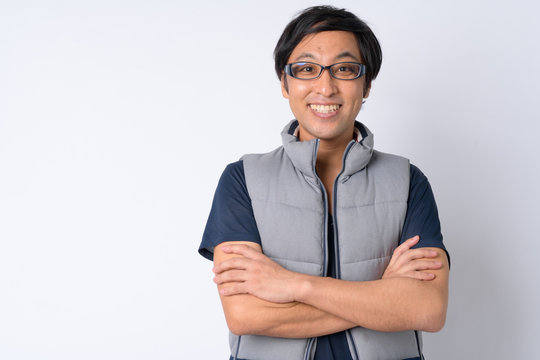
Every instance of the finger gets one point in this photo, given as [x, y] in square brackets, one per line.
[240, 249]
[425, 265]
[239, 263]
[409, 243]
[233, 290]
[411, 255]
[409, 269]
[420, 253]
[230, 276]
[413, 240]
[418, 265]
[403, 247]
[425, 276]
[417, 275]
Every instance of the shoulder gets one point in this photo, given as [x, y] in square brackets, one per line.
[234, 170]
[267, 156]
[231, 215]
[419, 183]
[233, 178]
[395, 168]
[388, 157]
[417, 175]
[422, 214]
[389, 160]
[259, 167]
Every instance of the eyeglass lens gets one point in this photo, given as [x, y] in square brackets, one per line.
[344, 70]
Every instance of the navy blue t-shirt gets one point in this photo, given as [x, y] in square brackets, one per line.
[333, 346]
[231, 219]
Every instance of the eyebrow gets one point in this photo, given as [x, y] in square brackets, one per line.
[347, 54]
[344, 54]
[305, 55]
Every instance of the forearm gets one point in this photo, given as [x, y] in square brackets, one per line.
[247, 314]
[269, 308]
[395, 304]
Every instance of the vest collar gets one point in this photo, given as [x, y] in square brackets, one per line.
[303, 154]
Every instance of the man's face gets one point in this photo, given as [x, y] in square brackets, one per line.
[325, 107]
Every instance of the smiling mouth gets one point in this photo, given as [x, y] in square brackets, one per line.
[324, 109]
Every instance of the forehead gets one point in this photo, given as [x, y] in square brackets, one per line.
[327, 46]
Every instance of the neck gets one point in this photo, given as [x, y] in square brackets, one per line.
[330, 151]
[330, 154]
[329, 163]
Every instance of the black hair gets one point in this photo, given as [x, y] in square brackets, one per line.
[328, 18]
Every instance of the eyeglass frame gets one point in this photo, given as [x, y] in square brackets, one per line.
[361, 73]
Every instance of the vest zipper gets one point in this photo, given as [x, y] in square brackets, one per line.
[336, 239]
[237, 348]
[325, 237]
[325, 212]
[325, 232]
[308, 348]
[416, 335]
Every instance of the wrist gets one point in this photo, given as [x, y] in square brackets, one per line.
[302, 287]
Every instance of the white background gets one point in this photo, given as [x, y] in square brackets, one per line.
[117, 118]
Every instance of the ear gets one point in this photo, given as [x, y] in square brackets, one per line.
[366, 92]
[284, 86]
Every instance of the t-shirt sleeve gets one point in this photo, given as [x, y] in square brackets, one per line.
[231, 216]
[422, 217]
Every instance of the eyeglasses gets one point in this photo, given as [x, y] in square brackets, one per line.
[340, 71]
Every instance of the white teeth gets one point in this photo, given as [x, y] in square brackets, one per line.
[324, 108]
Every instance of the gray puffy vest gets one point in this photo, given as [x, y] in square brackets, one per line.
[291, 211]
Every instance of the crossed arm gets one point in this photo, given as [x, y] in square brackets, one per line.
[262, 298]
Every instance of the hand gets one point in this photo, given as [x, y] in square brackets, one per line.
[254, 273]
[407, 262]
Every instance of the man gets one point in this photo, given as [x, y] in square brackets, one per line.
[313, 242]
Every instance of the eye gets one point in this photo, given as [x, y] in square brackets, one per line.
[305, 69]
[346, 70]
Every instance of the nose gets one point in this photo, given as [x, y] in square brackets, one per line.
[325, 84]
